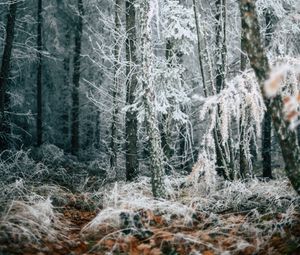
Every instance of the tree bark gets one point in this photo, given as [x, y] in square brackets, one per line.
[39, 119]
[4, 75]
[200, 49]
[244, 166]
[224, 163]
[267, 124]
[267, 142]
[115, 90]
[259, 63]
[65, 94]
[76, 81]
[156, 152]
[164, 126]
[221, 52]
[131, 84]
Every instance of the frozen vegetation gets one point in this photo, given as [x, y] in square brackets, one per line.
[147, 127]
[197, 216]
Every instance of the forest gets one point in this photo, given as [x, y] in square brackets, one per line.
[150, 127]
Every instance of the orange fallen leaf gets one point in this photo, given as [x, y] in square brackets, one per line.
[144, 248]
[155, 251]
[109, 243]
[207, 253]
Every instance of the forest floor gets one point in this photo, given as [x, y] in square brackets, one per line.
[50, 208]
[152, 234]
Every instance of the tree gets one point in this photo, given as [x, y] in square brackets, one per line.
[221, 47]
[131, 84]
[165, 127]
[267, 124]
[156, 152]
[224, 162]
[76, 80]
[39, 120]
[244, 124]
[4, 74]
[178, 36]
[116, 88]
[64, 23]
[259, 62]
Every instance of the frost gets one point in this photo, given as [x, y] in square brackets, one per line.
[30, 220]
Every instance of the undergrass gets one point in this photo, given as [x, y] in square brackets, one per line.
[202, 212]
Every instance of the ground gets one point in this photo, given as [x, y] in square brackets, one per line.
[147, 231]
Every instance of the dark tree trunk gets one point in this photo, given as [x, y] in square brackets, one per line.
[267, 142]
[200, 49]
[298, 134]
[243, 160]
[4, 75]
[259, 63]
[267, 124]
[131, 84]
[221, 51]
[165, 129]
[65, 96]
[97, 131]
[115, 89]
[182, 150]
[39, 119]
[224, 163]
[244, 164]
[76, 81]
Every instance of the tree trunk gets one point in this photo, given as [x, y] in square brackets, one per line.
[76, 80]
[97, 131]
[115, 90]
[4, 75]
[200, 49]
[220, 161]
[165, 135]
[221, 52]
[259, 63]
[267, 124]
[39, 119]
[164, 126]
[156, 152]
[65, 97]
[185, 157]
[224, 163]
[131, 84]
[267, 142]
[244, 166]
